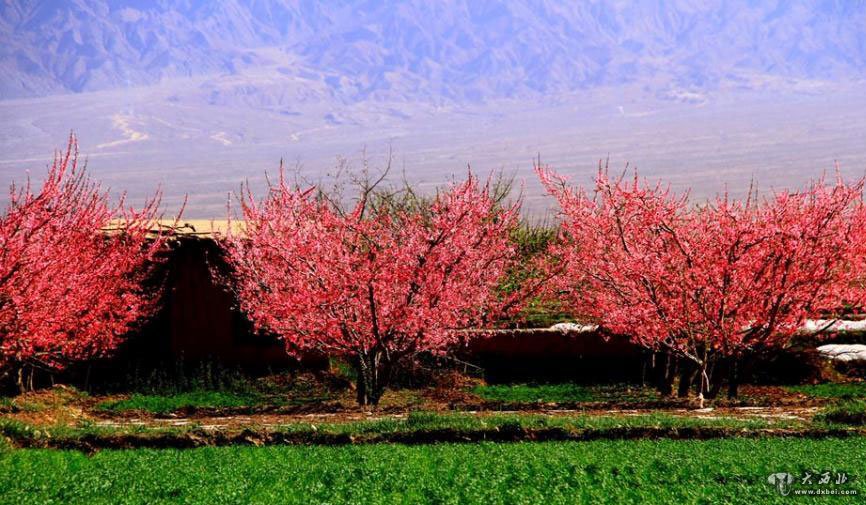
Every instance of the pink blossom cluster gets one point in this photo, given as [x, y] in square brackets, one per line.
[71, 269]
[395, 280]
[723, 278]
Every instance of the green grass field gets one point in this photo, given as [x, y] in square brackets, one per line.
[717, 471]
[832, 390]
[163, 404]
[846, 412]
[212, 399]
[562, 393]
[378, 468]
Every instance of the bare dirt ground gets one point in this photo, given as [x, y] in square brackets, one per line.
[64, 406]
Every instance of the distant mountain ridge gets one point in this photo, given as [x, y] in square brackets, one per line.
[460, 50]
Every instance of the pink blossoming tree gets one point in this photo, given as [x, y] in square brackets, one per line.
[71, 270]
[380, 282]
[711, 281]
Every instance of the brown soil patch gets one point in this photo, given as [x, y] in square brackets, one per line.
[56, 405]
[65, 406]
[262, 437]
[275, 420]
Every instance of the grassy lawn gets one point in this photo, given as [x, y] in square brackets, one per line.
[847, 404]
[845, 412]
[832, 390]
[309, 394]
[163, 404]
[468, 423]
[562, 393]
[717, 471]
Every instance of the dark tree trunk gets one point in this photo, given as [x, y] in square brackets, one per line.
[733, 379]
[24, 377]
[688, 370]
[717, 371]
[703, 383]
[715, 387]
[370, 391]
[666, 374]
[19, 380]
[373, 371]
[361, 388]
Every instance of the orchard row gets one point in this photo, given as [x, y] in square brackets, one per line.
[394, 274]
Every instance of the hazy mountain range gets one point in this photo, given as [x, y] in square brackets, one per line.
[196, 96]
[451, 50]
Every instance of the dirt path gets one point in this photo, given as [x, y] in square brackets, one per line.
[782, 413]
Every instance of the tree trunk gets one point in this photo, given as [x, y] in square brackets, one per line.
[19, 380]
[716, 386]
[733, 379]
[373, 371]
[361, 387]
[718, 376]
[688, 370]
[704, 383]
[24, 376]
[665, 374]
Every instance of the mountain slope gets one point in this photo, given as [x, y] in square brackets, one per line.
[462, 50]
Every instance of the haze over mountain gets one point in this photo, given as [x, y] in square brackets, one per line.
[220, 90]
[456, 49]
